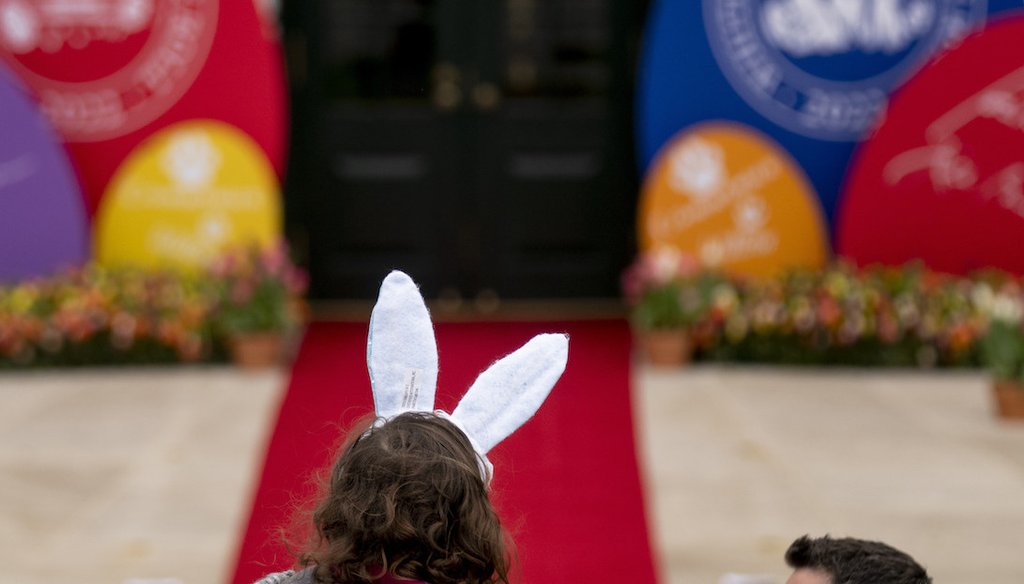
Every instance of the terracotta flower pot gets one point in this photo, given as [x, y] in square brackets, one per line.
[666, 347]
[257, 350]
[1009, 398]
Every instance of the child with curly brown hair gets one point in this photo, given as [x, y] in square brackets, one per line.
[407, 499]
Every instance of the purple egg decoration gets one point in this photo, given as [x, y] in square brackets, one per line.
[43, 226]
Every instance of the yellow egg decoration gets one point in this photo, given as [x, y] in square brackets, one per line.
[184, 195]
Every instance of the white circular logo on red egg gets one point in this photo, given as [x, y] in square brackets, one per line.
[104, 68]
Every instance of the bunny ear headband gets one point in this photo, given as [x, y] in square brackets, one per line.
[401, 354]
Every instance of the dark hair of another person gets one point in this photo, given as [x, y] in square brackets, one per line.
[856, 561]
[407, 497]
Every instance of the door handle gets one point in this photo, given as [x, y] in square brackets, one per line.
[447, 89]
[447, 96]
[487, 301]
[486, 96]
[449, 300]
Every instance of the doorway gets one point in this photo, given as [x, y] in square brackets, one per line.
[482, 146]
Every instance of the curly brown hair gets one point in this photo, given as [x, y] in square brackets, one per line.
[407, 497]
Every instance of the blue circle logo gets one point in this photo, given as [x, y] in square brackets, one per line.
[824, 68]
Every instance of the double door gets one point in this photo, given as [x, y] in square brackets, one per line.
[482, 146]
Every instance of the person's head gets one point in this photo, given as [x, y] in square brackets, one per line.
[407, 497]
[851, 561]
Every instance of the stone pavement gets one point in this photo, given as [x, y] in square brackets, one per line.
[111, 475]
[143, 475]
[741, 461]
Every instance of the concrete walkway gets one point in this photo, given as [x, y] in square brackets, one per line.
[112, 475]
[117, 476]
[742, 461]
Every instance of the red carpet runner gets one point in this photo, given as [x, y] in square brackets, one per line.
[566, 484]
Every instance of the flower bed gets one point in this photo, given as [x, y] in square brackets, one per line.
[900, 316]
[99, 316]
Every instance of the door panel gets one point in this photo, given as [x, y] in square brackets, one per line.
[386, 149]
[555, 177]
[389, 183]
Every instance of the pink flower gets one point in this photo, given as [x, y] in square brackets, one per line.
[296, 281]
[242, 292]
[274, 259]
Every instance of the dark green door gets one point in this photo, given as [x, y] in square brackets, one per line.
[483, 146]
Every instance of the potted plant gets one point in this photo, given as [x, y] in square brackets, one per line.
[259, 302]
[665, 301]
[1002, 351]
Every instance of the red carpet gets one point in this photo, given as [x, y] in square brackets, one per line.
[566, 484]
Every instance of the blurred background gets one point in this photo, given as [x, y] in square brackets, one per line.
[785, 236]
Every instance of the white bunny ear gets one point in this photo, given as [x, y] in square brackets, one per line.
[511, 390]
[401, 352]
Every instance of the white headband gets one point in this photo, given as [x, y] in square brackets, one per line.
[401, 354]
